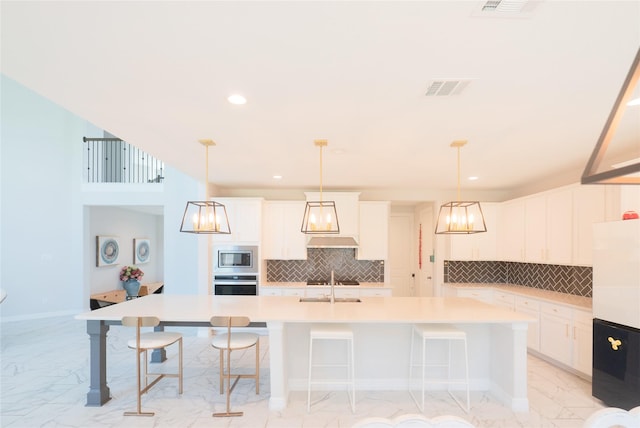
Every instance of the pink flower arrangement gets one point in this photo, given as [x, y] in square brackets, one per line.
[130, 272]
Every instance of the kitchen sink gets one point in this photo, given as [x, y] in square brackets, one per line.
[327, 299]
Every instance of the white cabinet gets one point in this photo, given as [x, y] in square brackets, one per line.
[549, 227]
[555, 326]
[373, 241]
[270, 291]
[293, 291]
[511, 231]
[582, 337]
[347, 208]
[478, 246]
[482, 294]
[530, 307]
[505, 300]
[245, 220]
[588, 208]
[375, 292]
[282, 238]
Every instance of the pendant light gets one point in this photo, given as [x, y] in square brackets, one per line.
[460, 217]
[205, 217]
[320, 217]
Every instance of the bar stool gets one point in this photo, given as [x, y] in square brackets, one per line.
[440, 332]
[150, 341]
[332, 332]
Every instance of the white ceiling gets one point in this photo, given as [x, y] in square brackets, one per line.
[157, 74]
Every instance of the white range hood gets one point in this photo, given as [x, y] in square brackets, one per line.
[332, 242]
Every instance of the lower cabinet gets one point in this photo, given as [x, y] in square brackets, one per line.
[562, 333]
[530, 307]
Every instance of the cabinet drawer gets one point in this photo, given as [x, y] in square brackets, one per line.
[505, 298]
[557, 310]
[373, 292]
[317, 292]
[268, 291]
[482, 294]
[293, 292]
[346, 292]
[582, 317]
[524, 303]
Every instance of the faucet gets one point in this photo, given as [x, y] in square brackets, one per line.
[333, 294]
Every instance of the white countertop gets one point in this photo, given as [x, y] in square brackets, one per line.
[579, 302]
[196, 308]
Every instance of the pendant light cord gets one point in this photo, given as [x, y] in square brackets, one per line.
[206, 175]
[320, 173]
[458, 174]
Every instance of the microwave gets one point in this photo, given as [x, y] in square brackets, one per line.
[236, 259]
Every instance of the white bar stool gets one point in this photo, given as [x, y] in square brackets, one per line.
[332, 332]
[441, 332]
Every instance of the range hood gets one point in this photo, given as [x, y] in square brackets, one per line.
[332, 242]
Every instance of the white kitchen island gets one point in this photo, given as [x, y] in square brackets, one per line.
[382, 330]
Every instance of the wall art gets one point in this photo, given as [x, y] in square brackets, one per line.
[107, 250]
[141, 250]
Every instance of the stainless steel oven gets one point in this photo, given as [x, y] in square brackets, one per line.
[235, 270]
[236, 285]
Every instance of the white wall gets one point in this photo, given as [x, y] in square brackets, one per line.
[45, 232]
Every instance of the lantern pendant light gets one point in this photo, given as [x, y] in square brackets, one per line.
[205, 217]
[460, 217]
[320, 217]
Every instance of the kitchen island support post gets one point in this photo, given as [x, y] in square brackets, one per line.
[278, 366]
[98, 390]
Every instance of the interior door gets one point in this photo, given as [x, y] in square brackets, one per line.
[401, 254]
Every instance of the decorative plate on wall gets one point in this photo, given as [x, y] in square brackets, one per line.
[107, 250]
[141, 250]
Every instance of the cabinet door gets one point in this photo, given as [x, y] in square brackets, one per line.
[559, 227]
[530, 307]
[511, 233]
[270, 291]
[555, 335]
[375, 292]
[535, 229]
[505, 300]
[588, 208]
[482, 294]
[582, 336]
[282, 239]
[245, 220]
[374, 231]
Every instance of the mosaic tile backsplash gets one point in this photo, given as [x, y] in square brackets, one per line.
[576, 280]
[319, 264]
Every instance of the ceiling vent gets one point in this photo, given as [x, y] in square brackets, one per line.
[446, 87]
[506, 8]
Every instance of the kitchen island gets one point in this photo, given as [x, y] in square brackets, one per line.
[382, 330]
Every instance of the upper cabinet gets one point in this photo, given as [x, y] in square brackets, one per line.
[245, 220]
[588, 208]
[478, 246]
[549, 227]
[282, 238]
[347, 208]
[511, 231]
[373, 243]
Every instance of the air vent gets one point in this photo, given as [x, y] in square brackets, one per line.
[506, 8]
[446, 87]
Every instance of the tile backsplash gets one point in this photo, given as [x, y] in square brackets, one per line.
[319, 264]
[576, 280]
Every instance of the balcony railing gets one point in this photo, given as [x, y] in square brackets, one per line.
[112, 160]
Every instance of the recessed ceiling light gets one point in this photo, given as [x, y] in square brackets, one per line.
[633, 103]
[237, 99]
[473, 178]
[277, 177]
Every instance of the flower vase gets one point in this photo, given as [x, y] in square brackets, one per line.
[132, 286]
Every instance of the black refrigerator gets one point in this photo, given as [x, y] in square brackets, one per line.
[616, 311]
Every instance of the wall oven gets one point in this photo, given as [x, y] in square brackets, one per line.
[235, 270]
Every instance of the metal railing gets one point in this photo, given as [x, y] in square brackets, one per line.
[112, 160]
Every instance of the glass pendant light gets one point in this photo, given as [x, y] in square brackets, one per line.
[320, 217]
[460, 217]
[205, 217]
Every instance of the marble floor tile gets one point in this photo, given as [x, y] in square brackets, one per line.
[45, 370]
